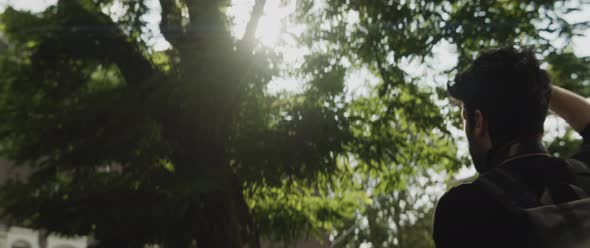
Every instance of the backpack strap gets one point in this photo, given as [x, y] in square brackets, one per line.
[505, 187]
[577, 167]
[515, 195]
[562, 193]
[579, 191]
[497, 193]
[581, 175]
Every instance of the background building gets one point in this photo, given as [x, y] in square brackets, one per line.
[18, 237]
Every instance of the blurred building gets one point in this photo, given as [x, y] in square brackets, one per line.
[18, 237]
[15, 237]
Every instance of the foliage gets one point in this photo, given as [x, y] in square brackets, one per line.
[385, 35]
[137, 146]
[400, 218]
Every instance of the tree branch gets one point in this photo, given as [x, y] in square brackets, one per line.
[110, 43]
[246, 44]
[171, 23]
[206, 23]
[257, 12]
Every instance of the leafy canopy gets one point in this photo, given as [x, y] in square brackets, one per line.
[183, 146]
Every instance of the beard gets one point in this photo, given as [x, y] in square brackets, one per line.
[478, 155]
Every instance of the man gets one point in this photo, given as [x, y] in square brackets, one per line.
[505, 97]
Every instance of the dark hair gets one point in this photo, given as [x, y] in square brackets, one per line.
[511, 91]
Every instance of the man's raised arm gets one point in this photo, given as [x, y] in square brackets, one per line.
[573, 108]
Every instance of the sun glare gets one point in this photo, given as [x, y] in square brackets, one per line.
[268, 30]
[272, 22]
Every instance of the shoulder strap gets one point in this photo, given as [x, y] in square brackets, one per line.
[577, 167]
[497, 192]
[505, 187]
[581, 175]
[515, 195]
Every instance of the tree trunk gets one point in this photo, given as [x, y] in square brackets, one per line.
[226, 220]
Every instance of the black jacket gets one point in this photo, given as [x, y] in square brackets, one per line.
[468, 216]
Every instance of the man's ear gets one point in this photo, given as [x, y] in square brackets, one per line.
[481, 130]
[480, 126]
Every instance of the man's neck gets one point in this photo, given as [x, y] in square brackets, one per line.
[514, 150]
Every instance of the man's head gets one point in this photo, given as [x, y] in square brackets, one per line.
[505, 97]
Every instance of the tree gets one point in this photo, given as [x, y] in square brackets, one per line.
[185, 146]
[138, 147]
[128, 147]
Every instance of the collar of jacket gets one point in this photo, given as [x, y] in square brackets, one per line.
[513, 150]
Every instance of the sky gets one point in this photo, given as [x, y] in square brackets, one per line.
[271, 31]
[33, 5]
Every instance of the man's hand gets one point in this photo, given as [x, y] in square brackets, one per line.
[573, 108]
